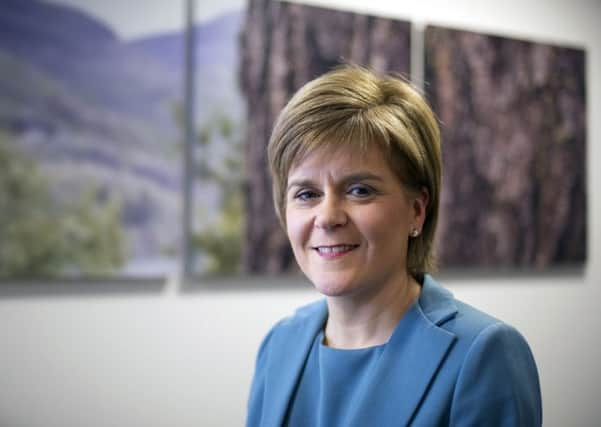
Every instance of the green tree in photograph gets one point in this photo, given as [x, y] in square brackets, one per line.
[43, 238]
[220, 241]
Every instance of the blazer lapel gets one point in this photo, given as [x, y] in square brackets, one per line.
[289, 353]
[411, 359]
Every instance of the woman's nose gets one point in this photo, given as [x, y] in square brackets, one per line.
[330, 214]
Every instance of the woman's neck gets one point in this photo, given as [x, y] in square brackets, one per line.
[361, 321]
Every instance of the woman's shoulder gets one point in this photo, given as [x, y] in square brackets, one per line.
[463, 320]
[308, 312]
[304, 322]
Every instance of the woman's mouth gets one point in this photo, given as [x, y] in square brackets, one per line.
[334, 251]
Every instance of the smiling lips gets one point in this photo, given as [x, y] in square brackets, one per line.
[334, 251]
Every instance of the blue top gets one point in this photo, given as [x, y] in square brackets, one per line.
[330, 384]
[446, 364]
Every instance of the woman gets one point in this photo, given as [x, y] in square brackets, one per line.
[356, 166]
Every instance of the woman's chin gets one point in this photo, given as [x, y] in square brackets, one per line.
[334, 288]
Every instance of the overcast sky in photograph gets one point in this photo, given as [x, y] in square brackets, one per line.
[133, 19]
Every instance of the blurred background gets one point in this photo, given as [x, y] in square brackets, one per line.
[99, 131]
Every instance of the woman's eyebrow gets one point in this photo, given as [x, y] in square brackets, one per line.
[300, 183]
[361, 176]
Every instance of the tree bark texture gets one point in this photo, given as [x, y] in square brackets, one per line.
[283, 46]
[513, 117]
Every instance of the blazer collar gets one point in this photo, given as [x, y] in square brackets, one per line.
[417, 346]
[437, 303]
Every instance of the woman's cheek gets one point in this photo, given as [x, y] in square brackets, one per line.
[301, 232]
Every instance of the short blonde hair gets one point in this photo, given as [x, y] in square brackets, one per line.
[355, 106]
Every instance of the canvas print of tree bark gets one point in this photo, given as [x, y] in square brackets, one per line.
[513, 117]
[282, 46]
[90, 177]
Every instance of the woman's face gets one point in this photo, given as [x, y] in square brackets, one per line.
[348, 219]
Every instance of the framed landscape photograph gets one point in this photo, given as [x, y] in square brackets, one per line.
[91, 105]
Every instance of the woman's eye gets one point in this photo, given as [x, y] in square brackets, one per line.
[360, 191]
[305, 195]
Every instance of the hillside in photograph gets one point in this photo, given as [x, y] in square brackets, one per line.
[99, 120]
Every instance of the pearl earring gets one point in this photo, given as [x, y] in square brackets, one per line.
[414, 233]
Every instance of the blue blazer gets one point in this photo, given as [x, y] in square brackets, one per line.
[447, 364]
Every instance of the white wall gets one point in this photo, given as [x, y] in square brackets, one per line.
[140, 355]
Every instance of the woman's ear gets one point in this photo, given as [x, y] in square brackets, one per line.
[420, 205]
